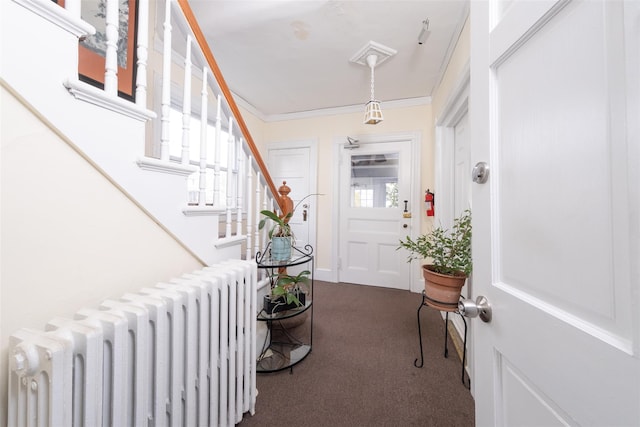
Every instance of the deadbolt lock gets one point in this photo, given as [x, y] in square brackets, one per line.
[480, 173]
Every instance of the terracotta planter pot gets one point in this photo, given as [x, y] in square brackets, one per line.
[442, 291]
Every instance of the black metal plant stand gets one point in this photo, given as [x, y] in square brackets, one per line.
[454, 309]
[288, 350]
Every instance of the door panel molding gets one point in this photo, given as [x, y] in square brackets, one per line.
[539, 408]
[542, 141]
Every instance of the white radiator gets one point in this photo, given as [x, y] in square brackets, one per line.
[181, 353]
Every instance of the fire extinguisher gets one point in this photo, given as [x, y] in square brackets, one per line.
[429, 198]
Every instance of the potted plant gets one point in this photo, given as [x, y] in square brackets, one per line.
[287, 292]
[280, 235]
[451, 263]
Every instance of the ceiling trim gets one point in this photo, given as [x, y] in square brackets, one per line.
[452, 46]
[349, 109]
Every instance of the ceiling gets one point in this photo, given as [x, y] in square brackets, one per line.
[292, 56]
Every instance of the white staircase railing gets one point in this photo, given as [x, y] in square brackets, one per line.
[228, 178]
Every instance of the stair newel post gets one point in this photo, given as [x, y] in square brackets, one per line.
[166, 85]
[239, 187]
[111, 56]
[249, 207]
[286, 205]
[216, 155]
[285, 202]
[203, 139]
[230, 178]
[142, 53]
[186, 104]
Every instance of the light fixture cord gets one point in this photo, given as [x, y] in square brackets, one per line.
[372, 78]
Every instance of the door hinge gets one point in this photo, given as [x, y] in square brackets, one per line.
[339, 263]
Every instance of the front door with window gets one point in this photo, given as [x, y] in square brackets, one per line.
[374, 183]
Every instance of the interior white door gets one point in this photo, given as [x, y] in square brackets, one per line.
[374, 183]
[554, 113]
[296, 165]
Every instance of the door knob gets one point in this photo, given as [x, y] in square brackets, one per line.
[479, 307]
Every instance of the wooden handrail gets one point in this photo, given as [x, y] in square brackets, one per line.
[204, 46]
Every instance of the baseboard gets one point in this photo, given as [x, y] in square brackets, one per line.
[323, 274]
[458, 344]
[456, 338]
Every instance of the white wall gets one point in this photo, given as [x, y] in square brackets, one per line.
[70, 238]
[458, 63]
[325, 129]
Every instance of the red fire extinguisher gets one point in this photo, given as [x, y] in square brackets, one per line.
[429, 198]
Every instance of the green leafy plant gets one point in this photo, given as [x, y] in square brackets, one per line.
[449, 250]
[280, 227]
[289, 287]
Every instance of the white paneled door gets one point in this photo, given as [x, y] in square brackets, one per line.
[295, 163]
[555, 115]
[374, 183]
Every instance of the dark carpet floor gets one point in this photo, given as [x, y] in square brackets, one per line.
[361, 372]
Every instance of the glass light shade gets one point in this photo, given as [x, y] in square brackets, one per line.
[372, 113]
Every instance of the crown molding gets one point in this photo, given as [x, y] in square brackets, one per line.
[323, 112]
[241, 102]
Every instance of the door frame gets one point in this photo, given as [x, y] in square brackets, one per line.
[415, 206]
[312, 144]
[456, 106]
[454, 109]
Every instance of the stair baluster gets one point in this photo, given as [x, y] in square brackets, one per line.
[230, 157]
[203, 139]
[186, 105]
[142, 53]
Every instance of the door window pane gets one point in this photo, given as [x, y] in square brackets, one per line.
[374, 180]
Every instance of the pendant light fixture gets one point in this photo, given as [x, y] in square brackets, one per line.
[372, 111]
[372, 55]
